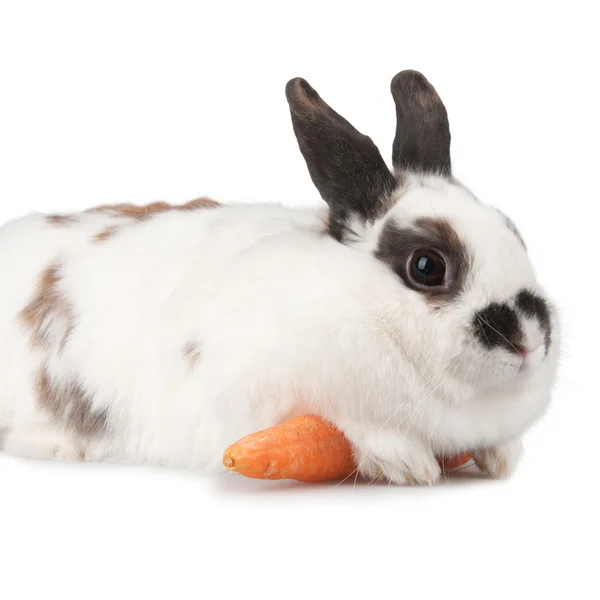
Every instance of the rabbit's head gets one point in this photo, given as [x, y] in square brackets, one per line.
[462, 269]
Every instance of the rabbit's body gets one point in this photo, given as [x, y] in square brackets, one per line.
[179, 325]
[162, 335]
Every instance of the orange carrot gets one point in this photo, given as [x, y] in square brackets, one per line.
[451, 463]
[305, 449]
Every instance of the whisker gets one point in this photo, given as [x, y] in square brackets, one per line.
[347, 477]
[355, 478]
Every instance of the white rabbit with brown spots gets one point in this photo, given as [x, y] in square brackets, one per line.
[406, 312]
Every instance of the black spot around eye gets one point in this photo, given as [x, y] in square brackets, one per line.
[398, 246]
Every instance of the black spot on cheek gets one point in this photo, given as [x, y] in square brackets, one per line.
[498, 326]
[535, 307]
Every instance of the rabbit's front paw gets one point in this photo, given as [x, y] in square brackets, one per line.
[501, 461]
[397, 458]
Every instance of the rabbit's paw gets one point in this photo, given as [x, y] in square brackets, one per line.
[500, 461]
[397, 458]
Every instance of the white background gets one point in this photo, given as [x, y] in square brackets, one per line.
[104, 102]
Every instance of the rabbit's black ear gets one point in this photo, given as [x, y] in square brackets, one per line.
[345, 165]
[422, 141]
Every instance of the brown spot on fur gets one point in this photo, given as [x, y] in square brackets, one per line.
[198, 204]
[70, 405]
[191, 351]
[142, 213]
[48, 313]
[60, 219]
[106, 233]
[139, 213]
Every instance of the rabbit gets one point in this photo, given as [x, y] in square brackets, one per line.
[404, 310]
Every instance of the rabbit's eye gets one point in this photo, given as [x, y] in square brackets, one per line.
[427, 267]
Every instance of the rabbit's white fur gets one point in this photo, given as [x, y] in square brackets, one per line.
[162, 338]
[283, 321]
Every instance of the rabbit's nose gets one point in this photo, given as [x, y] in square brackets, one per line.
[522, 350]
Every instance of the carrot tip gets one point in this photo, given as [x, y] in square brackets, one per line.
[229, 463]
